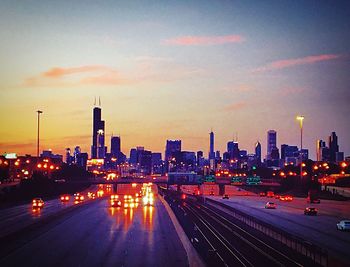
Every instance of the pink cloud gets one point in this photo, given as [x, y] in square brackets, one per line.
[58, 72]
[286, 63]
[75, 76]
[235, 106]
[204, 40]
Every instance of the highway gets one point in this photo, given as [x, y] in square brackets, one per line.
[319, 230]
[96, 234]
[15, 218]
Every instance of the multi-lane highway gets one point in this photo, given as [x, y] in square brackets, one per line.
[289, 216]
[96, 234]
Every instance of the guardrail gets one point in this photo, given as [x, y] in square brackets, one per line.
[315, 253]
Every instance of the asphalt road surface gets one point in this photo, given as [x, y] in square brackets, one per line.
[99, 235]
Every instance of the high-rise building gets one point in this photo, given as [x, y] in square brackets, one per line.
[98, 149]
[320, 144]
[68, 156]
[172, 146]
[288, 151]
[333, 147]
[339, 156]
[77, 151]
[258, 152]
[211, 146]
[115, 146]
[232, 149]
[133, 156]
[271, 142]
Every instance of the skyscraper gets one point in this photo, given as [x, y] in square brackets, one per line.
[333, 147]
[98, 148]
[172, 146]
[258, 152]
[320, 145]
[233, 150]
[211, 146]
[115, 146]
[271, 142]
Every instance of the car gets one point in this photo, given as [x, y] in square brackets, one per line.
[114, 201]
[310, 211]
[277, 196]
[270, 194]
[343, 225]
[64, 198]
[225, 196]
[148, 199]
[78, 197]
[37, 203]
[211, 193]
[286, 198]
[262, 194]
[270, 205]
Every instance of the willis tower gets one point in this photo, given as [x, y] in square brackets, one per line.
[98, 149]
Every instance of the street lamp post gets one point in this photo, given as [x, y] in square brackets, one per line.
[37, 145]
[300, 118]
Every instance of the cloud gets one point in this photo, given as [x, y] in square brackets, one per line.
[235, 106]
[204, 40]
[76, 76]
[60, 72]
[286, 63]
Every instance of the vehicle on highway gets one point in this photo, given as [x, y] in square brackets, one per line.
[277, 196]
[78, 197]
[286, 198]
[37, 203]
[343, 225]
[310, 211]
[130, 202]
[225, 196]
[270, 194]
[114, 201]
[64, 198]
[91, 195]
[148, 199]
[211, 193]
[262, 194]
[270, 205]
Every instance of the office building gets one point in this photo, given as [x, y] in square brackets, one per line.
[98, 149]
[211, 146]
[271, 142]
[333, 146]
[258, 152]
[115, 146]
[172, 146]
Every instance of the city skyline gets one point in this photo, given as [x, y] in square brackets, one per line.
[233, 67]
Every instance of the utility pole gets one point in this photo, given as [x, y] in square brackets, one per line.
[37, 145]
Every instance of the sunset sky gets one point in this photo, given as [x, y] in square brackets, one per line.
[174, 70]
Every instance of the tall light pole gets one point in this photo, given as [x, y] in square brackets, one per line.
[37, 145]
[300, 118]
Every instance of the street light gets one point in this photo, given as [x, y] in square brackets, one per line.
[37, 147]
[300, 118]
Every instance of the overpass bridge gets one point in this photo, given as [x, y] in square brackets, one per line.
[165, 181]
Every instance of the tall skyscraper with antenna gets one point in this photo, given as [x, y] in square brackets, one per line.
[98, 149]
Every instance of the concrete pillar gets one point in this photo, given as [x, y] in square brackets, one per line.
[221, 189]
[115, 188]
